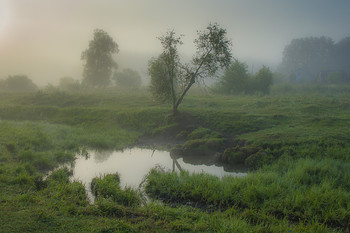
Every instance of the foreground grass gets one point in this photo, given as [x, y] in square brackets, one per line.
[299, 144]
[308, 191]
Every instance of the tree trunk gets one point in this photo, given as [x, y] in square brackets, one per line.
[192, 81]
[178, 102]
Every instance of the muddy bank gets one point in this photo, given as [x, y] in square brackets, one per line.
[185, 137]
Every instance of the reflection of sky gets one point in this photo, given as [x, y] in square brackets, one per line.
[133, 165]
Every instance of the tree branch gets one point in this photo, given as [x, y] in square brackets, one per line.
[192, 81]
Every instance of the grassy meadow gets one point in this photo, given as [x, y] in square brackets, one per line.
[295, 142]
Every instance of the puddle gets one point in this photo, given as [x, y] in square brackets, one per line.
[133, 164]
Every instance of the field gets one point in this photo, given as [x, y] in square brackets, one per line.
[296, 146]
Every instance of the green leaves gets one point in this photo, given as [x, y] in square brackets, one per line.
[170, 79]
[237, 80]
[213, 50]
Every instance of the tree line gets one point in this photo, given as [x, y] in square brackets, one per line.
[316, 59]
[171, 78]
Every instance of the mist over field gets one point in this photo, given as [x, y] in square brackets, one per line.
[174, 116]
[45, 39]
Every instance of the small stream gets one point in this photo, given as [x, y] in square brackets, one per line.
[133, 164]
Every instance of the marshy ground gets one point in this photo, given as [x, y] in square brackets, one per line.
[296, 146]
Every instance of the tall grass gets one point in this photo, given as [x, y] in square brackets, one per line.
[108, 187]
[299, 142]
[302, 190]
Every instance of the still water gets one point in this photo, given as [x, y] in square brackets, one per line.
[133, 164]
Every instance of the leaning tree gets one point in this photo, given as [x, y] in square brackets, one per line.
[174, 79]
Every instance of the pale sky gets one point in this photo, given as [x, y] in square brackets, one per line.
[44, 38]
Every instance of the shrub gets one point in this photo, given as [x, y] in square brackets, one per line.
[128, 78]
[20, 83]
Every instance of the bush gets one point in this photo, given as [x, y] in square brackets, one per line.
[69, 84]
[128, 78]
[236, 80]
[263, 80]
[20, 83]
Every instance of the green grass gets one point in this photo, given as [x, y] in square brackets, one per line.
[297, 144]
[307, 190]
[108, 187]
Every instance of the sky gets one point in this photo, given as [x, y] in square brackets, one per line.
[44, 39]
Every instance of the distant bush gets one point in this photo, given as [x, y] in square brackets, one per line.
[236, 80]
[18, 83]
[263, 80]
[69, 84]
[128, 78]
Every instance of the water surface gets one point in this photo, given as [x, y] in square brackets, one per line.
[133, 164]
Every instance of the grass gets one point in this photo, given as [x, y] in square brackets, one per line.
[297, 146]
[108, 187]
[309, 191]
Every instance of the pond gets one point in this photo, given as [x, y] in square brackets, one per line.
[133, 164]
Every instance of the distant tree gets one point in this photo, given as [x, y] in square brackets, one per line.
[128, 78]
[68, 84]
[213, 53]
[341, 55]
[235, 78]
[98, 59]
[310, 54]
[263, 80]
[20, 83]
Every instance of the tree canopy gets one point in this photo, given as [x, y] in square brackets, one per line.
[98, 59]
[310, 54]
[213, 52]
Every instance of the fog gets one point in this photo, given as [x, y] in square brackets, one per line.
[45, 39]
